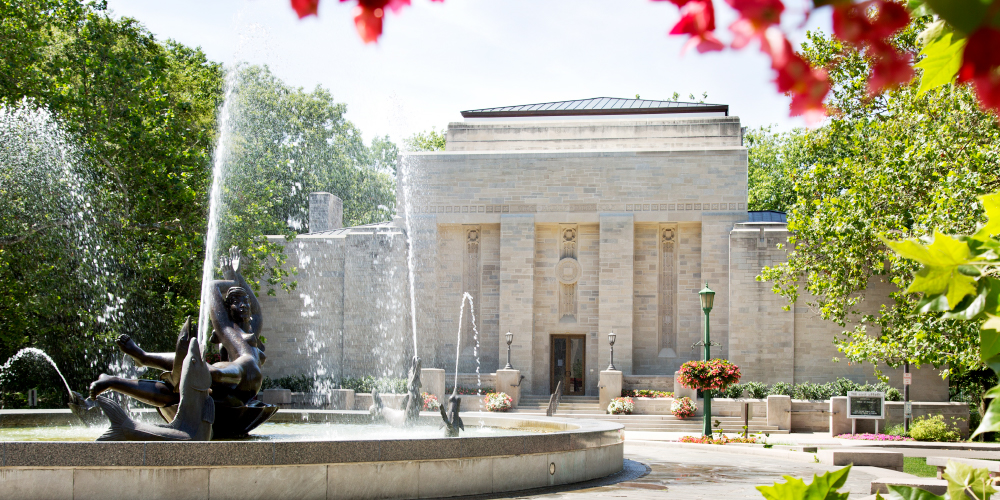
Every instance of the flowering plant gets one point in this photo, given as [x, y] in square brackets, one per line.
[430, 402]
[498, 401]
[874, 437]
[722, 439]
[683, 407]
[621, 406]
[712, 374]
[645, 393]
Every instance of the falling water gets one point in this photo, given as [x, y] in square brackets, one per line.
[38, 353]
[466, 297]
[222, 151]
[410, 251]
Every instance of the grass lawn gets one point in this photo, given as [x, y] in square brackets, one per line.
[918, 467]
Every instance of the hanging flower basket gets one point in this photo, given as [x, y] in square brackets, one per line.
[683, 408]
[717, 374]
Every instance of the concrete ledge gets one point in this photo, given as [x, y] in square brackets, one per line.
[387, 479]
[935, 486]
[736, 450]
[884, 459]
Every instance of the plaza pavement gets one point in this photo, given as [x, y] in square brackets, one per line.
[679, 471]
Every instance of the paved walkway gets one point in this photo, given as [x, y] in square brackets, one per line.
[690, 472]
[683, 473]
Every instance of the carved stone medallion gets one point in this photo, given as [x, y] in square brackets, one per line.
[568, 271]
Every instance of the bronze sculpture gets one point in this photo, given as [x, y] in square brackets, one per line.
[409, 411]
[452, 422]
[235, 379]
[195, 411]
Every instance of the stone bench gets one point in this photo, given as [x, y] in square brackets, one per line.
[942, 462]
[884, 459]
[935, 486]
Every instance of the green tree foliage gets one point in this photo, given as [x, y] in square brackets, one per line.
[139, 121]
[775, 160]
[284, 143]
[431, 140]
[900, 164]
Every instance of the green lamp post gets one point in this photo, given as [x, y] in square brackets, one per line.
[707, 297]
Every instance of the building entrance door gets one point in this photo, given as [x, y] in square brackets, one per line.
[568, 364]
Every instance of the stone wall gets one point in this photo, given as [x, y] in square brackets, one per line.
[595, 134]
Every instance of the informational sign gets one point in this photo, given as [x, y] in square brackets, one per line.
[907, 379]
[864, 404]
[907, 410]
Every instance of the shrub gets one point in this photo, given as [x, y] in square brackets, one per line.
[645, 393]
[430, 402]
[385, 385]
[683, 407]
[842, 386]
[295, 383]
[756, 390]
[734, 391]
[808, 390]
[621, 406]
[934, 428]
[780, 389]
[498, 401]
[470, 391]
[896, 430]
[712, 374]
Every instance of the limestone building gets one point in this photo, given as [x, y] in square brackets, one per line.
[563, 222]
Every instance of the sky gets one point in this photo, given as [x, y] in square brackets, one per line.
[436, 59]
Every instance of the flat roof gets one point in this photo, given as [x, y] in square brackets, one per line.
[597, 106]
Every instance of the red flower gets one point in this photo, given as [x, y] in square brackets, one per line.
[305, 7]
[981, 56]
[852, 24]
[698, 20]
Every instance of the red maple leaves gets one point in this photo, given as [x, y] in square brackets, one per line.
[868, 25]
[368, 15]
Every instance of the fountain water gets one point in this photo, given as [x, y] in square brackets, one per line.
[38, 353]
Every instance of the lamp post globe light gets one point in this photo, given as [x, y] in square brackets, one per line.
[707, 297]
[510, 338]
[611, 340]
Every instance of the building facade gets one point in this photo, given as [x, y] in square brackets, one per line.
[561, 222]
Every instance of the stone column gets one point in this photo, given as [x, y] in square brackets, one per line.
[432, 380]
[610, 386]
[342, 399]
[326, 212]
[517, 297]
[615, 290]
[839, 423]
[509, 381]
[779, 412]
[680, 391]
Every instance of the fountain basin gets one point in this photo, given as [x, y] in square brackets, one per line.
[567, 451]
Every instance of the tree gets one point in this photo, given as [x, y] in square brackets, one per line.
[104, 202]
[774, 161]
[900, 164]
[430, 140]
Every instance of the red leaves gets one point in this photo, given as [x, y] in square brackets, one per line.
[368, 15]
[980, 61]
[755, 17]
[697, 20]
[870, 24]
[305, 7]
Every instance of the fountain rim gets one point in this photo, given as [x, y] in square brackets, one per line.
[570, 435]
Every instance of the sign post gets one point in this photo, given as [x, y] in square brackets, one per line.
[32, 397]
[865, 405]
[907, 381]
